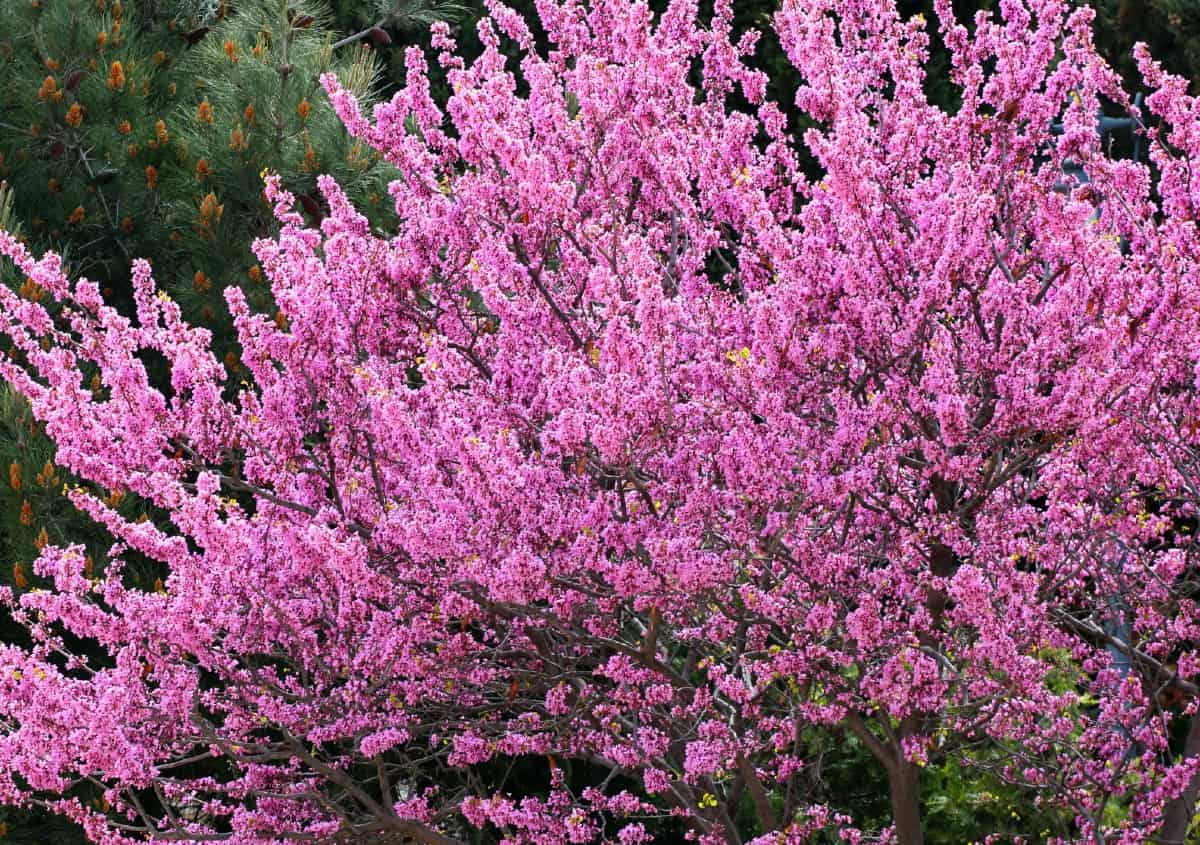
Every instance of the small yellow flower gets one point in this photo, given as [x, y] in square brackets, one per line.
[738, 356]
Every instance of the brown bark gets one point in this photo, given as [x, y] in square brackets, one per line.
[758, 794]
[904, 780]
[1178, 813]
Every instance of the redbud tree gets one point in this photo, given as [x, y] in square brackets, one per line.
[633, 448]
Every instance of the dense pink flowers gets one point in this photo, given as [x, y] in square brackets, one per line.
[633, 446]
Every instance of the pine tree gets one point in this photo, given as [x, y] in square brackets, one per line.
[253, 104]
[83, 82]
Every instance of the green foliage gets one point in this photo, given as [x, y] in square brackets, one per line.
[118, 127]
[253, 104]
[391, 25]
[191, 15]
[20, 826]
[964, 805]
[1171, 28]
[8, 220]
[82, 83]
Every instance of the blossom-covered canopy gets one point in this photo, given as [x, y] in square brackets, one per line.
[633, 447]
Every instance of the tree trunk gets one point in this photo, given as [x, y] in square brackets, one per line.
[904, 780]
[1178, 813]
